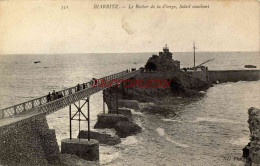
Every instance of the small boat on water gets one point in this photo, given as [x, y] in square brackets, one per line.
[37, 62]
[250, 66]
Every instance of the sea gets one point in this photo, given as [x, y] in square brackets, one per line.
[208, 130]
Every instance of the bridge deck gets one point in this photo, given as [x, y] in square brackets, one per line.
[70, 96]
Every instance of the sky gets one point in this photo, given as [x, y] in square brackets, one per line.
[41, 27]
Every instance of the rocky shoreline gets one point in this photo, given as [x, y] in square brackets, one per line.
[251, 152]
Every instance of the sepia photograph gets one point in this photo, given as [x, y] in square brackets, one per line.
[129, 83]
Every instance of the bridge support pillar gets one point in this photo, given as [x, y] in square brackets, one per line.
[104, 107]
[79, 112]
[87, 149]
[83, 148]
[111, 97]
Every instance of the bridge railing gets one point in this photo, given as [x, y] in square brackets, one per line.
[70, 95]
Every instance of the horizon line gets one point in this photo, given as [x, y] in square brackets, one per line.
[115, 52]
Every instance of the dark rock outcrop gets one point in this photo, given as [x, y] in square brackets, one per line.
[122, 124]
[109, 120]
[73, 160]
[158, 70]
[163, 110]
[181, 84]
[252, 151]
[102, 138]
[83, 148]
[132, 104]
[125, 112]
[124, 129]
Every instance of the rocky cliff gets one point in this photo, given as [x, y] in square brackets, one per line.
[180, 84]
[252, 151]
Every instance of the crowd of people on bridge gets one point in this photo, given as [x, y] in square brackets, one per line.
[54, 95]
[86, 85]
[57, 95]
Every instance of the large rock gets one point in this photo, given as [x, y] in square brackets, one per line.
[102, 138]
[164, 110]
[180, 84]
[126, 112]
[252, 151]
[73, 160]
[132, 104]
[123, 111]
[124, 129]
[109, 120]
[88, 150]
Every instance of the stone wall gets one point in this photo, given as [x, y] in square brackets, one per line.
[28, 142]
[252, 151]
[203, 75]
[234, 75]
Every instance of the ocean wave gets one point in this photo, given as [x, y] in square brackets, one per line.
[171, 120]
[177, 143]
[161, 132]
[214, 120]
[129, 140]
[240, 141]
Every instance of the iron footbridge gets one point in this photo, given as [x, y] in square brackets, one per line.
[69, 96]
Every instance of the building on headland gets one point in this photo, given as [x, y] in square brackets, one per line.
[163, 62]
[189, 80]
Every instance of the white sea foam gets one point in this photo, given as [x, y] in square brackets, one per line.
[160, 131]
[177, 143]
[215, 120]
[136, 112]
[107, 158]
[240, 141]
[202, 92]
[129, 140]
[133, 111]
[171, 120]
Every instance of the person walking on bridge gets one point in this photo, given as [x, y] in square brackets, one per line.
[49, 97]
[53, 95]
[78, 87]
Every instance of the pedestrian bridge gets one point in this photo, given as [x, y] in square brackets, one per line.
[70, 96]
